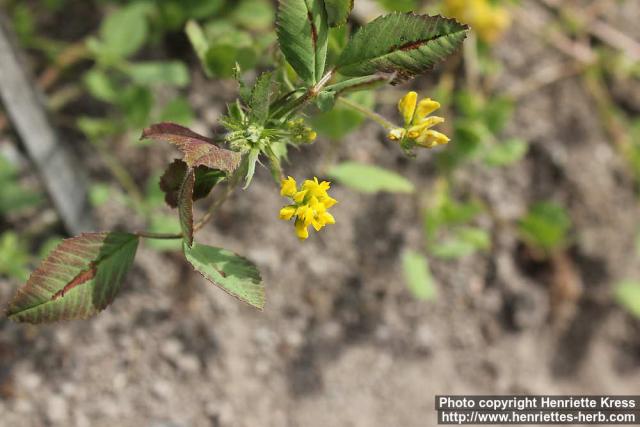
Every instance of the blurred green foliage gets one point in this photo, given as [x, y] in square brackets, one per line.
[418, 276]
[478, 126]
[369, 178]
[545, 227]
[448, 225]
[627, 294]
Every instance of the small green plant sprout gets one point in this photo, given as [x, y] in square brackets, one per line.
[477, 132]
[545, 229]
[627, 294]
[418, 277]
[448, 225]
[83, 274]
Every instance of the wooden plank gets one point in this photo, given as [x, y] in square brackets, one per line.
[63, 176]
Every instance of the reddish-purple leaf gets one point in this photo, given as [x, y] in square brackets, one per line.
[80, 277]
[185, 206]
[173, 177]
[198, 150]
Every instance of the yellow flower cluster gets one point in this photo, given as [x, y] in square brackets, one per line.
[418, 122]
[309, 207]
[487, 19]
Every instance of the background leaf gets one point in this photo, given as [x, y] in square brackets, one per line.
[77, 280]
[303, 34]
[370, 179]
[173, 73]
[405, 44]
[545, 227]
[340, 121]
[125, 31]
[338, 11]
[198, 150]
[418, 276]
[628, 295]
[506, 153]
[232, 273]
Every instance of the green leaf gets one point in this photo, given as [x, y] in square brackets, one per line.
[340, 121]
[401, 44]
[185, 206]
[197, 38]
[232, 273]
[14, 256]
[506, 153]
[125, 31]
[399, 5]
[370, 179]
[252, 159]
[178, 110]
[100, 86]
[77, 280]
[255, 15]
[261, 98]
[221, 59]
[418, 276]
[198, 150]
[159, 72]
[338, 11]
[465, 241]
[303, 34]
[545, 227]
[627, 294]
[13, 196]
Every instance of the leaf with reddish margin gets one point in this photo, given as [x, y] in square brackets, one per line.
[172, 179]
[198, 150]
[78, 279]
[232, 273]
[185, 206]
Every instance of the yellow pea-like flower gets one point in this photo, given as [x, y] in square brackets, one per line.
[310, 205]
[407, 106]
[288, 188]
[418, 122]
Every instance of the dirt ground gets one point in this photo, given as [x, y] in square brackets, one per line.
[341, 341]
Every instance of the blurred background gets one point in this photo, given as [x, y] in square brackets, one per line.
[505, 262]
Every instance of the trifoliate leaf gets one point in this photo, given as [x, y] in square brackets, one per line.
[77, 280]
[403, 45]
[198, 150]
[173, 177]
[303, 33]
[232, 273]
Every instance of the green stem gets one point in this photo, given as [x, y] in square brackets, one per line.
[231, 186]
[368, 113]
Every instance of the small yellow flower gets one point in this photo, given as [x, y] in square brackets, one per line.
[288, 187]
[487, 19]
[310, 205]
[418, 122]
[407, 106]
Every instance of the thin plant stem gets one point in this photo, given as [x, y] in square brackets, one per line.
[368, 113]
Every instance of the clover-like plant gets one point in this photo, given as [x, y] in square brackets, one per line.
[83, 274]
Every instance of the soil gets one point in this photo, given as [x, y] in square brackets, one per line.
[341, 341]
